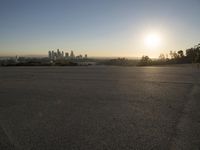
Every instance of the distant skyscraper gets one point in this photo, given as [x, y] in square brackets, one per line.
[62, 54]
[72, 54]
[66, 55]
[50, 55]
[58, 52]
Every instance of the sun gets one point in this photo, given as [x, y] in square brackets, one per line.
[152, 40]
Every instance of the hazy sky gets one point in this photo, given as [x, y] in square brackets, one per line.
[97, 27]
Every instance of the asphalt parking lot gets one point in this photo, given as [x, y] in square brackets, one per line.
[100, 108]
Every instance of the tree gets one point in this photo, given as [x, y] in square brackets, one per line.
[180, 54]
[162, 57]
[145, 61]
[173, 55]
[193, 54]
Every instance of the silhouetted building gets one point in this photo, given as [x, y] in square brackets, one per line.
[62, 54]
[72, 55]
[50, 55]
[58, 55]
[66, 55]
[79, 57]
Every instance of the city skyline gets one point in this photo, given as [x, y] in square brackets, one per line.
[59, 55]
[99, 28]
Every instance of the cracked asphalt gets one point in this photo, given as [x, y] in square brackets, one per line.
[100, 108]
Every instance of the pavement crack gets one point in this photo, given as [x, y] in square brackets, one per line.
[187, 132]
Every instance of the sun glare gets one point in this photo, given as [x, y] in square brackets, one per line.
[152, 40]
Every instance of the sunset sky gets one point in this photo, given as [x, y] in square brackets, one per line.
[98, 27]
